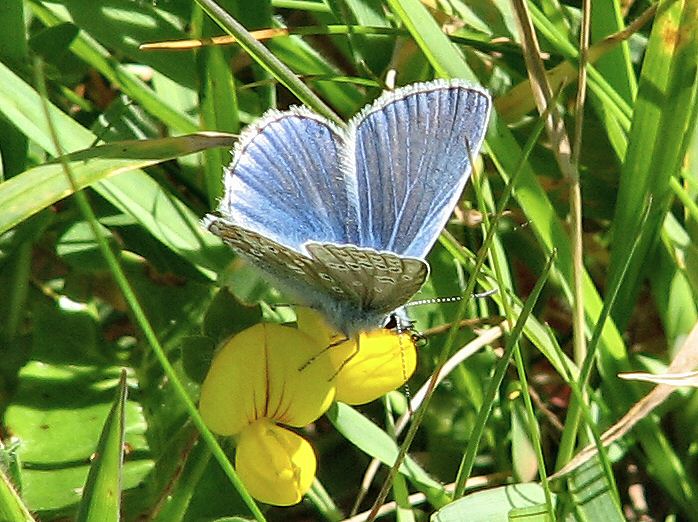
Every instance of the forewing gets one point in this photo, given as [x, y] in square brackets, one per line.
[286, 181]
[375, 281]
[412, 162]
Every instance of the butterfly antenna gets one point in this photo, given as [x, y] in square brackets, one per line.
[406, 385]
[451, 299]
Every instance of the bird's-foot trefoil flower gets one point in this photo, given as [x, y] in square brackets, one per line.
[253, 386]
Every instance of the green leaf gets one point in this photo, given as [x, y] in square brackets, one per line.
[65, 392]
[443, 55]
[591, 494]
[53, 42]
[219, 111]
[134, 192]
[266, 59]
[178, 501]
[197, 355]
[493, 505]
[39, 187]
[78, 247]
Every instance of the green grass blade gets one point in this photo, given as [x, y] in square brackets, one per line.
[88, 49]
[13, 49]
[302, 5]
[101, 498]
[445, 57]
[179, 498]
[39, 187]
[12, 508]
[219, 111]
[468, 460]
[666, 105]
[266, 59]
[615, 65]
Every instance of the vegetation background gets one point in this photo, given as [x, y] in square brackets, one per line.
[607, 191]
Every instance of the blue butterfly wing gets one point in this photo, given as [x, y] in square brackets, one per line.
[287, 183]
[412, 162]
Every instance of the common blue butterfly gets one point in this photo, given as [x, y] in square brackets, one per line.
[342, 218]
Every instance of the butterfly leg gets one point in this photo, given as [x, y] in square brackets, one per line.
[323, 351]
[348, 359]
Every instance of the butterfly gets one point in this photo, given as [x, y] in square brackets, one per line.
[342, 217]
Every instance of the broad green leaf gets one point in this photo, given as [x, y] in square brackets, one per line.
[227, 316]
[491, 505]
[592, 497]
[78, 248]
[65, 392]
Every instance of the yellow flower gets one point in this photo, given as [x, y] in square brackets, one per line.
[276, 465]
[366, 368]
[254, 382]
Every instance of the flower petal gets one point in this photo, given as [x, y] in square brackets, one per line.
[382, 361]
[256, 375]
[312, 323]
[276, 465]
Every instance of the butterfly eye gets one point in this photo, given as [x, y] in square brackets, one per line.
[391, 322]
